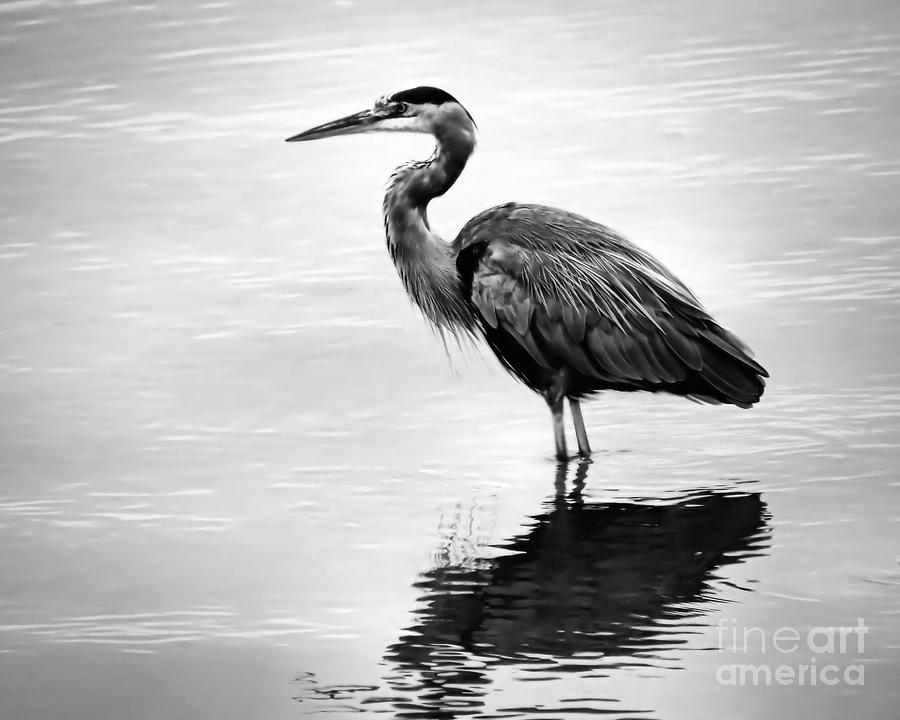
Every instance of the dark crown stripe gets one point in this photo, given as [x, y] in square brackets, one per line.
[425, 94]
[422, 95]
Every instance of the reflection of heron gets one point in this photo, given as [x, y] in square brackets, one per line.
[587, 585]
[568, 306]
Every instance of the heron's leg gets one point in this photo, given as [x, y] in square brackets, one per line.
[584, 447]
[555, 401]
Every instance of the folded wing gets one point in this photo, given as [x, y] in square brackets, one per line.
[555, 291]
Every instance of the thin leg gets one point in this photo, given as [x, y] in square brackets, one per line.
[559, 430]
[584, 447]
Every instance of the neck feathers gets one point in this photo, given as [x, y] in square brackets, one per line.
[425, 262]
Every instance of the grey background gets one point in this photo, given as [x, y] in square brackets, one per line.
[229, 446]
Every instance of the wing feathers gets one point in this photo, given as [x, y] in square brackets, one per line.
[633, 352]
[554, 338]
[665, 363]
[524, 310]
[574, 320]
[682, 346]
[485, 306]
[527, 341]
[737, 388]
[608, 356]
[574, 295]
[730, 344]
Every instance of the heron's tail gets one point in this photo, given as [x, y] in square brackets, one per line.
[729, 374]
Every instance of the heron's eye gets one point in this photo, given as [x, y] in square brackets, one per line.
[402, 108]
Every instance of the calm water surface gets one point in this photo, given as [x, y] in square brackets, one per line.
[239, 478]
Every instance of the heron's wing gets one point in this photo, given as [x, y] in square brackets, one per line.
[573, 293]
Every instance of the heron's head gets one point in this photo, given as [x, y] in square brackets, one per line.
[419, 110]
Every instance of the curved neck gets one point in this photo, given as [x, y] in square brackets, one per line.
[425, 262]
[423, 181]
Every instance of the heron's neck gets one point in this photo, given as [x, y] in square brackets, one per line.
[425, 262]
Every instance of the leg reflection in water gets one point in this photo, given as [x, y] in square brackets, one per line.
[587, 587]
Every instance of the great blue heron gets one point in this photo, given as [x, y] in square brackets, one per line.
[568, 306]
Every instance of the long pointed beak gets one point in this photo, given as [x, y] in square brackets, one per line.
[358, 122]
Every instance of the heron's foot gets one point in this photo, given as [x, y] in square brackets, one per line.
[581, 457]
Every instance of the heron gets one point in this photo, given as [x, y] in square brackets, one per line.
[569, 306]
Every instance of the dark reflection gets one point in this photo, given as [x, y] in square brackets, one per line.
[590, 587]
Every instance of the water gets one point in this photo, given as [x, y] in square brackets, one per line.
[240, 477]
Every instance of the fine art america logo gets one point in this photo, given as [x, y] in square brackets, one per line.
[788, 656]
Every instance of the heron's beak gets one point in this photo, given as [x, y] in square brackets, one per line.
[356, 123]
